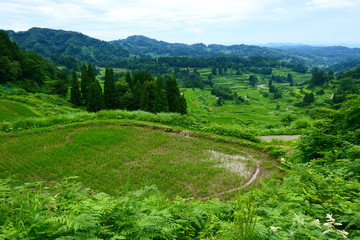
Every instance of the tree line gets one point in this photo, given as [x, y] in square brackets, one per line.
[138, 90]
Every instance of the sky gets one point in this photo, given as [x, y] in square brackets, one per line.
[315, 22]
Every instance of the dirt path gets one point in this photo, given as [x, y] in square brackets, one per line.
[280, 137]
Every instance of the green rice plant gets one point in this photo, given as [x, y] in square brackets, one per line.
[119, 154]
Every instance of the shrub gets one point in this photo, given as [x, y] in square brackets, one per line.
[301, 123]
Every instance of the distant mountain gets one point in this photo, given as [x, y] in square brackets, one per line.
[49, 42]
[141, 45]
[326, 56]
[283, 45]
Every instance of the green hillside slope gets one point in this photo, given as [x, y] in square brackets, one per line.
[50, 42]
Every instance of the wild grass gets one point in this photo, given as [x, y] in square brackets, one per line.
[43, 104]
[11, 111]
[110, 157]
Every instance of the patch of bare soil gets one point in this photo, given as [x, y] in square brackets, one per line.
[244, 166]
[279, 137]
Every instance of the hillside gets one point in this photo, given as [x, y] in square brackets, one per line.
[49, 42]
[141, 45]
[52, 43]
[326, 56]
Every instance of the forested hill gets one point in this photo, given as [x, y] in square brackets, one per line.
[49, 42]
[322, 55]
[141, 45]
[61, 45]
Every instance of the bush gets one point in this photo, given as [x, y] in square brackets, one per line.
[301, 123]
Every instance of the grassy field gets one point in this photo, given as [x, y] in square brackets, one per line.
[11, 111]
[114, 157]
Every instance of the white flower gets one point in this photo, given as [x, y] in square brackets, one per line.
[274, 229]
[330, 218]
[317, 223]
[343, 233]
[328, 224]
[283, 160]
[327, 231]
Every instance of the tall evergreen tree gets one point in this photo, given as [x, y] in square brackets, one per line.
[183, 105]
[125, 98]
[85, 81]
[129, 80]
[91, 73]
[161, 103]
[110, 95]
[75, 95]
[147, 99]
[96, 99]
[137, 95]
[173, 94]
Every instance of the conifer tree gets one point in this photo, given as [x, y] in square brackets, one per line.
[147, 98]
[137, 95]
[75, 95]
[161, 102]
[95, 99]
[90, 73]
[125, 97]
[129, 80]
[110, 95]
[183, 105]
[173, 94]
[85, 81]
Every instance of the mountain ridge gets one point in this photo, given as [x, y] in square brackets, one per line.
[49, 42]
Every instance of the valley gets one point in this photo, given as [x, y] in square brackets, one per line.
[143, 139]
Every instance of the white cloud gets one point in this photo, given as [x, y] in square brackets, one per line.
[322, 4]
[209, 21]
[281, 11]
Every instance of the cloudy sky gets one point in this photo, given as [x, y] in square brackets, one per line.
[319, 22]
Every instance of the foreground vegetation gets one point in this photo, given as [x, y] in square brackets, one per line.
[309, 203]
[317, 198]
